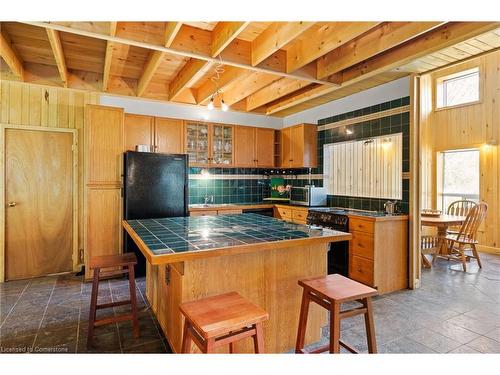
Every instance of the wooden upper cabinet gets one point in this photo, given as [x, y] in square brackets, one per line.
[169, 136]
[104, 144]
[299, 146]
[139, 130]
[222, 145]
[264, 147]
[244, 146]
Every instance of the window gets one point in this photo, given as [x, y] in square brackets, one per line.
[457, 89]
[460, 176]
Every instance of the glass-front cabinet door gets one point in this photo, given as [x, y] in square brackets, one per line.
[222, 145]
[198, 143]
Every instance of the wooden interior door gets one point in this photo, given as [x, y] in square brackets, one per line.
[286, 148]
[244, 146]
[264, 147]
[138, 131]
[169, 136]
[39, 197]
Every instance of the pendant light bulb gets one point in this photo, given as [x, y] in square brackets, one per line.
[224, 106]
[211, 104]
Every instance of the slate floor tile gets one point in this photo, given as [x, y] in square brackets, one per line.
[494, 334]
[60, 340]
[454, 332]
[434, 340]
[464, 349]
[404, 345]
[472, 324]
[485, 345]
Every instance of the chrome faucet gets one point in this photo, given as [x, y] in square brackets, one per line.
[209, 198]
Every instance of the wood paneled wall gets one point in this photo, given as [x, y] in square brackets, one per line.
[465, 127]
[35, 105]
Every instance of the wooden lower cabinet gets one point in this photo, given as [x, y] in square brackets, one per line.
[378, 252]
[297, 215]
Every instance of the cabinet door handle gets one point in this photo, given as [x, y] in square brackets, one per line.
[167, 275]
[12, 204]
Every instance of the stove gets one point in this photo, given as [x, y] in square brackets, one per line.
[337, 219]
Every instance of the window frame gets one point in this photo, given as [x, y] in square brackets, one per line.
[440, 195]
[463, 71]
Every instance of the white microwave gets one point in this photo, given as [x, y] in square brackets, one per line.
[308, 195]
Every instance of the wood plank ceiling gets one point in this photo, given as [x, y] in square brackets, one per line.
[275, 68]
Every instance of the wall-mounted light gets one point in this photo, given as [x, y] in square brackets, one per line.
[386, 143]
[348, 131]
[367, 142]
[211, 104]
[205, 173]
[224, 106]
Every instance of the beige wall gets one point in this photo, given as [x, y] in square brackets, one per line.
[464, 127]
[34, 105]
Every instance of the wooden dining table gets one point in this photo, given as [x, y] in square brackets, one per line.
[442, 223]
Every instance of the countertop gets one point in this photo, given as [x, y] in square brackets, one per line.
[169, 240]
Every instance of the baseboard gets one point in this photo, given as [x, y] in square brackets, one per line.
[488, 249]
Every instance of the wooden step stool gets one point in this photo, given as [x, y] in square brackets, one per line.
[330, 292]
[127, 261]
[220, 320]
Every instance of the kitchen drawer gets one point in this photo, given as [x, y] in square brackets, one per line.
[203, 213]
[299, 216]
[361, 225]
[229, 212]
[361, 269]
[284, 213]
[362, 244]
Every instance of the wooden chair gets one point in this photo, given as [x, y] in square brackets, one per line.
[330, 292]
[428, 245]
[120, 264]
[465, 239]
[222, 320]
[459, 208]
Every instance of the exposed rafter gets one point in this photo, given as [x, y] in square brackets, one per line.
[432, 41]
[373, 42]
[223, 34]
[108, 57]
[275, 90]
[171, 30]
[317, 41]
[247, 86]
[277, 35]
[10, 56]
[155, 58]
[187, 52]
[230, 75]
[57, 50]
[189, 74]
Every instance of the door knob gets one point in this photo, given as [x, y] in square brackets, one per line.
[12, 204]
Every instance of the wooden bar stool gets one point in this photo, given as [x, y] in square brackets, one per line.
[127, 261]
[222, 320]
[330, 292]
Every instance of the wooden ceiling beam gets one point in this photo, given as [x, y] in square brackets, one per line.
[155, 58]
[171, 31]
[277, 35]
[244, 87]
[57, 50]
[379, 39]
[10, 56]
[186, 46]
[190, 73]
[427, 43]
[230, 75]
[108, 56]
[224, 33]
[275, 90]
[322, 39]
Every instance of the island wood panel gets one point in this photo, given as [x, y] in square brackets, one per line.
[268, 279]
[466, 126]
[27, 104]
[138, 130]
[39, 215]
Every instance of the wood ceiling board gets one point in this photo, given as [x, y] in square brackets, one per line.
[468, 48]
[193, 40]
[253, 30]
[189, 73]
[58, 52]
[275, 90]
[230, 75]
[128, 61]
[457, 54]
[95, 27]
[321, 39]
[122, 86]
[223, 34]
[170, 67]
[209, 26]
[238, 51]
[375, 41]
[42, 74]
[5, 72]
[78, 79]
[83, 53]
[492, 39]
[10, 56]
[146, 32]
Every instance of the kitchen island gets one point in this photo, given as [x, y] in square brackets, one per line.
[260, 257]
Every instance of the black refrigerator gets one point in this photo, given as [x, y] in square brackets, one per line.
[155, 186]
